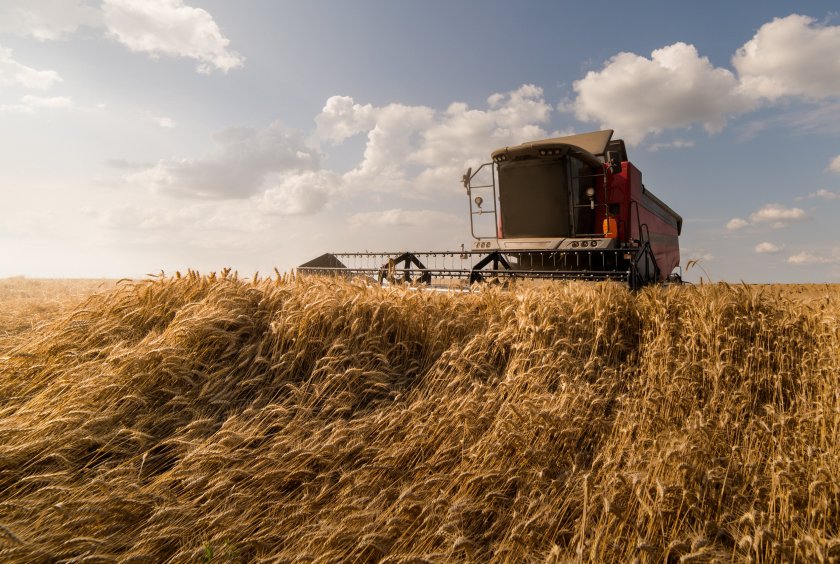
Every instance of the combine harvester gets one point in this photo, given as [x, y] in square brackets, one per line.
[571, 208]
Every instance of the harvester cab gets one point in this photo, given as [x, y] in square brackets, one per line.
[570, 207]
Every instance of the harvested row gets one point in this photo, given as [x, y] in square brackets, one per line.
[193, 418]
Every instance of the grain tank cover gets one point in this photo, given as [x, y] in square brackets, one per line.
[586, 146]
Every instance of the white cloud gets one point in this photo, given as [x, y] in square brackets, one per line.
[461, 133]
[156, 27]
[169, 27]
[403, 218]
[300, 194]
[29, 103]
[834, 166]
[410, 150]
[239, 167]
[737, 223]
[13, 73]
[47, 19]
[428, 148]
[767, 247]
[388, 145]
[806, 258]
[776, 215]
[791, 56]
[341, 118]
[674, 88]
[824, 194]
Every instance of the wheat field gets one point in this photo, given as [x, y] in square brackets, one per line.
[211, 418]
[25, 302]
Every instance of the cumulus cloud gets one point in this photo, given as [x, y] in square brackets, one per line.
[461, 133]
[300, 194]
[156, 27]
[737, 223]
[342, 118]
[13, 73]
[168, 27]
[834, 166]
[776, 215]
[47, 19]
[791, 56]
[239, 167]
[429, 147]
[806, 258]
[403, 218]
[388, 145]
[767, 248]
[674, 88]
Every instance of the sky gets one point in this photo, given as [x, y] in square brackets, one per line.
[140, 136]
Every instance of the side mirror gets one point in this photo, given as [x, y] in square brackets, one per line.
[466, 178]
[613, 162]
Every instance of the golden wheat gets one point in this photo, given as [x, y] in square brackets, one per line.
[212, 418]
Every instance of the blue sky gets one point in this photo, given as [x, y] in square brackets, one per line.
[146, 135]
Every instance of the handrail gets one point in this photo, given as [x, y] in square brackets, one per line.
[470, 188]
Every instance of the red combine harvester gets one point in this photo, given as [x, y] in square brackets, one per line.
[564, 208]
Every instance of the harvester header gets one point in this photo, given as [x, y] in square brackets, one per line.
[569, 207]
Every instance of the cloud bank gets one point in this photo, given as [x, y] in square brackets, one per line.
[676, 87]
[168, 27]
[155, 27]
[411, 152]
[241, 165]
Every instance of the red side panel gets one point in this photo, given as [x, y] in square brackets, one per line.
[657, 222]
[637, 209]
